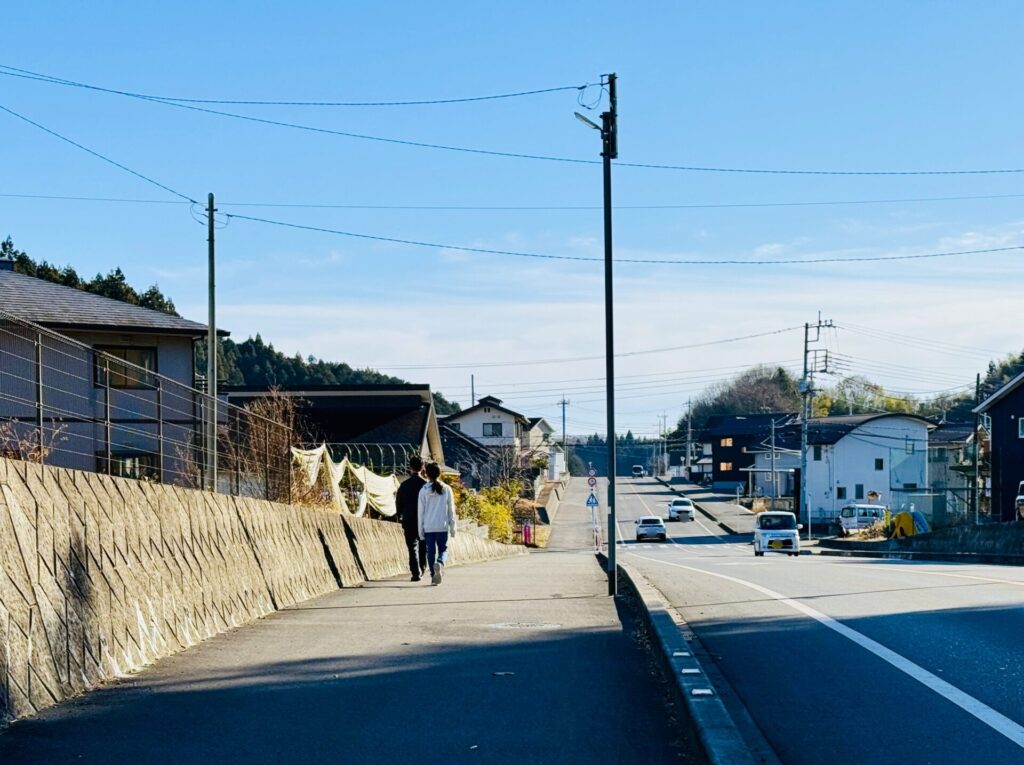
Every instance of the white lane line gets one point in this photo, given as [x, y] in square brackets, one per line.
[986, 714]
[989, 579]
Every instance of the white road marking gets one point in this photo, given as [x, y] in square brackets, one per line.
[989, 579]
[986, 714]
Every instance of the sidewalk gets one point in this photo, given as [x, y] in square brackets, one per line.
[522, 660]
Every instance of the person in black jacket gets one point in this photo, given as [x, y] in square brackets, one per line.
[406, 500]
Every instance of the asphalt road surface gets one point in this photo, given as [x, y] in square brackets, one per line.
[847, 660]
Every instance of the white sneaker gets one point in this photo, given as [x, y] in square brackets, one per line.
[438, 573]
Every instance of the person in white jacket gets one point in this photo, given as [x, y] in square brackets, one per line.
[437, 520]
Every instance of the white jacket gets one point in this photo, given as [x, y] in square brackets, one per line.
[436, 511]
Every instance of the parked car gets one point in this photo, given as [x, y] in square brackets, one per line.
[854, 517]
[680, 509]
[776, 531]
[651, 527]
[639, 471]
[1018, 503]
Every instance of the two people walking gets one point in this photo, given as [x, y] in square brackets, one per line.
[427, 509]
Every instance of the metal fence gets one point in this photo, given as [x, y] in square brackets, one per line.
[383, 459]
[67, 404]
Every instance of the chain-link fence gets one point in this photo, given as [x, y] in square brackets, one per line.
[106, 409]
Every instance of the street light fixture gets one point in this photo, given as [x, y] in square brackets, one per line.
[609, 151]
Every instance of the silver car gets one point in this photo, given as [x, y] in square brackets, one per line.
[651, 527]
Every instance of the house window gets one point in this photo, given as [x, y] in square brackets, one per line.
[909, 447]
[879, 463]
[725, 466]
[858, 491]
[455, 426]
[139, 465]
[817, 454]
[840, 492]
[492, 429]
[123, 375]
[725, 442]
[546, 438]
[938, 455]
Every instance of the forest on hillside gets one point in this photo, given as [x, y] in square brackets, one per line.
[250, 362]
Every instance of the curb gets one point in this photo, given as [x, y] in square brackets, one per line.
[725, 527]
[717, 733]
[987, 558]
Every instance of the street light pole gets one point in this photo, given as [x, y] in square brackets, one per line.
[609, 151]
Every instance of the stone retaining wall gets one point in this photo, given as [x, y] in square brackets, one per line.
[100, 576]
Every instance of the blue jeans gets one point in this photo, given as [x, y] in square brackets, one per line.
[437, 548]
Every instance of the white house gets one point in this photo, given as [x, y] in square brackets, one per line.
[491, 424]
[850, 457]
[539, 440]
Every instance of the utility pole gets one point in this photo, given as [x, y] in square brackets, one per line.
[609, 129]
[211, 356]
[472, 390]
[975, 498]
[775, 486]
[565, 444]
[689, 434]
[807, 391]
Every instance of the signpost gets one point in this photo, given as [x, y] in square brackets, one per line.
[592, 503]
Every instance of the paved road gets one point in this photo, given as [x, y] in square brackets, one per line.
[519, 661]
[849, 660]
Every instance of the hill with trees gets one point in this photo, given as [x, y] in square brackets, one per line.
[251, 362]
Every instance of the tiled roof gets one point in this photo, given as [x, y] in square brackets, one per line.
[951, 433]
[60, 307]
[828, 430]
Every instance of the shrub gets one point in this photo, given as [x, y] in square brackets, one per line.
[498, 519]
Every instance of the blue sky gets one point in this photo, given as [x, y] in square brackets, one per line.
[846, 86]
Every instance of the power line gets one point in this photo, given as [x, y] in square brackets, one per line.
[522, 208]
[534, 362]
[96, 154]
[644, 261]
[496, 153]
[26, 74]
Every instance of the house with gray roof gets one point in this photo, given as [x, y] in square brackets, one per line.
[852, 458]
[105, 384]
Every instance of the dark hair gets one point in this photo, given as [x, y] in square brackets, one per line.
[415, 464]
[434, 474]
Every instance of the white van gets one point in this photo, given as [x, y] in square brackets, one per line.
[854, 517]
[776, 531]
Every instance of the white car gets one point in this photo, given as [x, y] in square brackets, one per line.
[680, 509]
[651, 527]
[776, 532]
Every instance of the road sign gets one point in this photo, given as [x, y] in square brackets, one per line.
[592, 481]
[591, 472]
[592, 500]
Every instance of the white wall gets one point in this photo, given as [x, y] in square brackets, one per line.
[472, 424]
[851, 461]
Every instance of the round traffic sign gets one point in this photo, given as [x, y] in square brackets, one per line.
[591, 472]
[592, 481]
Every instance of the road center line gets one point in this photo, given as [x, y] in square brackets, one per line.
[986, 714]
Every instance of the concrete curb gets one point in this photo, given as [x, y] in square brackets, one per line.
[725, 527]
[986, 558]
[717, 733]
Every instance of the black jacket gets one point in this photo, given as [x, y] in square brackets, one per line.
[407, 502]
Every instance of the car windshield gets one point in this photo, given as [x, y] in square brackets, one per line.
[848, 512]
[681, 502]
[780, 522]
[650, 522]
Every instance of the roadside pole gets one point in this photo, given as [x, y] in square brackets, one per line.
[609, 151]
[211, 356]
[975, 497]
